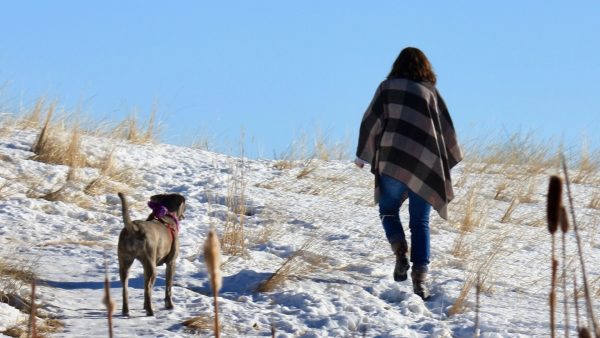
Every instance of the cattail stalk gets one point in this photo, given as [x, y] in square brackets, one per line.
[586, 289]
[107, 300]
[564, 227]
[553, 213]
[212, 257]
[476, 333]
[553, 294]
[575, 292]
[32, 312]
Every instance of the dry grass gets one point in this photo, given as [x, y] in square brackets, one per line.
[7, 189]
[307, 169]
[33, 118]
[131, 130]
[324, 149]
[48, 327]
[233, 240]
[53, 147]
[108, 175]
[529, 195]
[459, 248]
[595, 202]
[16, 274]
[269, 230]
[519, 150]
[295, 265]
[587, 167]
[509, 211]
[480, 276]
[317, 146]
[501, 189]
[473, 213]
[202, 324]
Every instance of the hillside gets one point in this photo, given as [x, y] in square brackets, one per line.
[314, 217]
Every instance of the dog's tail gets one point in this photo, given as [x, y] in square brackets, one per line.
[129, 225]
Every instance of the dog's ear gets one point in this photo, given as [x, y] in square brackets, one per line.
[181, 211]
[173, 202]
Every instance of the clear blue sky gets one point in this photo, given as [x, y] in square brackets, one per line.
[277, 69]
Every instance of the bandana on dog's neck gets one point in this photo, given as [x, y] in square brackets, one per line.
[159, 211]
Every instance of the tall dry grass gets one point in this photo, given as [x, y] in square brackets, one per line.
[587, 167]
[517, 151]
[233, 240]
[481, 273]
[134, 131]
[308, 147]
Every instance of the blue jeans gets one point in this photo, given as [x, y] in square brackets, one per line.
[391, 191]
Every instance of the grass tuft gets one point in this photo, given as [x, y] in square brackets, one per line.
[296, 264]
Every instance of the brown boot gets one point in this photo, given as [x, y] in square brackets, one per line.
[400, 270]
[419, 277]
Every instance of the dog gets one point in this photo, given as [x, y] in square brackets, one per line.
[153, 242]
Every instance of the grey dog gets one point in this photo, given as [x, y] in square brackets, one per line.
[153, 242]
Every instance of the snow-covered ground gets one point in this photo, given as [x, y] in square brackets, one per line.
[342, 285]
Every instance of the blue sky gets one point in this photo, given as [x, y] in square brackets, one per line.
[280, 69]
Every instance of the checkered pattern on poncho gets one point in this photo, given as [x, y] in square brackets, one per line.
[407, 133]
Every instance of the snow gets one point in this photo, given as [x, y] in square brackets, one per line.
[343, 285]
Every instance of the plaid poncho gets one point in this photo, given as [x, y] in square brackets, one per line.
[407, 133]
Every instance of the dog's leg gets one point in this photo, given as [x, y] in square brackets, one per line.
[124, 265]
[169, 277]
[149, 278]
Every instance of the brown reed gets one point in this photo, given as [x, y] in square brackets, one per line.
[586, 289]
[107, 299]
[476, 332]
[553, 213]
[212, 257]
[32, 313]
[564, 227]
[575, 292]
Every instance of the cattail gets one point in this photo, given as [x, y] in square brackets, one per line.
[585, 333]
[564, 220]
[553, 212]
[554, 203]
[212, 257]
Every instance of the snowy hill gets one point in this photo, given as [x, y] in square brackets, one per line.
[316, 217]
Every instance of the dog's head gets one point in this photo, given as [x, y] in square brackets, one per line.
[173, 202]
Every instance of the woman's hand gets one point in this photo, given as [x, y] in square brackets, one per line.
[359, 163]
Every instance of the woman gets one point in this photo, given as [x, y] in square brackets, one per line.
[407, 137]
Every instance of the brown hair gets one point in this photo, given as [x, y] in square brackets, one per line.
[413, 65]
